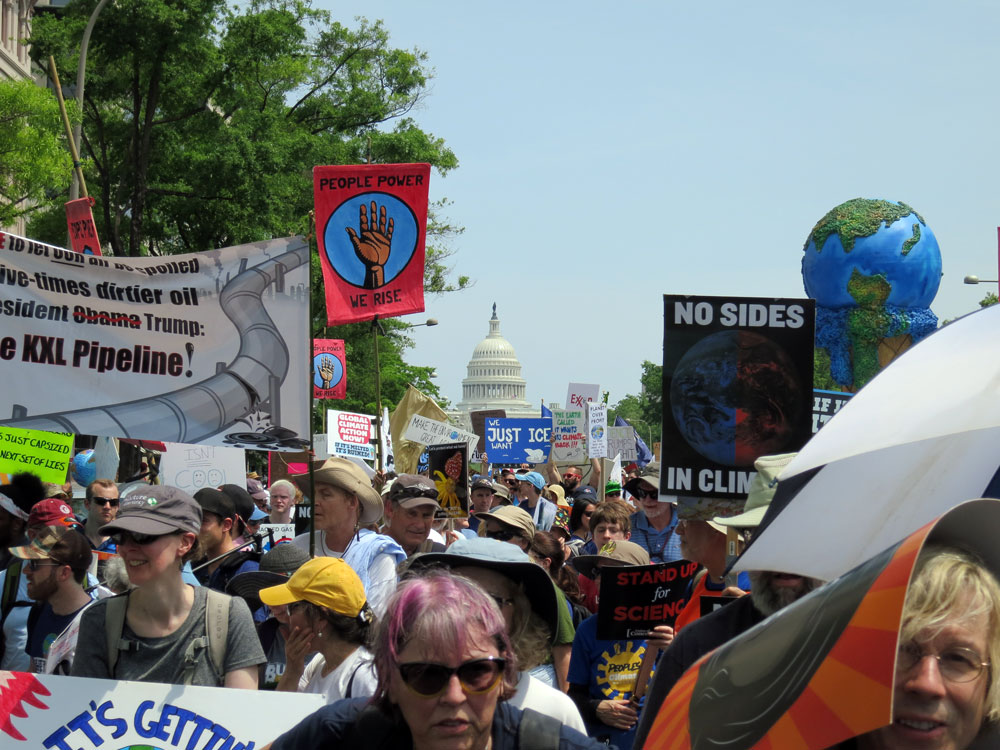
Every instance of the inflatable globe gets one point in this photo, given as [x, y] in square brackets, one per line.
[873, 267]
[84, 467]
[735, 397]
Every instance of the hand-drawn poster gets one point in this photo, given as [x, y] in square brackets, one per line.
[449, 468]
[329, 369]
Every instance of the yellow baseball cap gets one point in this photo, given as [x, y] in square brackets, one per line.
[324, 581]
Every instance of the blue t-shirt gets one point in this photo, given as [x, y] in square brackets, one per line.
[45, 629]
[609, 670]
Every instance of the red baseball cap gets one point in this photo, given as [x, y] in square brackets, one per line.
[52, 512]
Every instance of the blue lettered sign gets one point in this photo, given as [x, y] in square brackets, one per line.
[517, 441]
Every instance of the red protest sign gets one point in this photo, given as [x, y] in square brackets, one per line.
[329, 368]
[82, 230]
[371, 223]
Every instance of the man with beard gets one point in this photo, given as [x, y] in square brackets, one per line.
[653, 526]
[769, 592]
[56, 569]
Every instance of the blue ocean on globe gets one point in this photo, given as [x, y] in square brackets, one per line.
[914, 276]
[84, 467]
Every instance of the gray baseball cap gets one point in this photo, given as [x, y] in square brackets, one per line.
[156, 509]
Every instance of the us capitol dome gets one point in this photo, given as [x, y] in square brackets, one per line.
[494, 378]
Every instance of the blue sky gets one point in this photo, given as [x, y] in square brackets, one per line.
[611, 155]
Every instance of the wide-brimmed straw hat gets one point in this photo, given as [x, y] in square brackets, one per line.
[348, 476]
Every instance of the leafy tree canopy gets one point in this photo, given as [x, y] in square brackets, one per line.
[33, 154]
[645, 410]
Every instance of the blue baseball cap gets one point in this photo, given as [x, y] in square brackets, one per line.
[534, 478]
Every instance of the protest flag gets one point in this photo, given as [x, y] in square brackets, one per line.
[413, 402]
[329, 369]
[82, 229]
[371, 223]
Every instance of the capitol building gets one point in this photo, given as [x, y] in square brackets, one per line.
[494, 379]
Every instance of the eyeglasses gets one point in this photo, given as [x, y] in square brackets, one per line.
[123, 537]
[956, 664]
[36, 564]
[410, 492]
[643, 493]
[430, 680]
[570, 475]
[510, 482]
[502, 535]
[113, 502]
[501, 602]
[587, 513]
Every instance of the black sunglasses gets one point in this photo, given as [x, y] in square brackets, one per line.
[430, 680]
[642, 493]
[131, 536]
[502, 535]
[411, 492]
[113, 502]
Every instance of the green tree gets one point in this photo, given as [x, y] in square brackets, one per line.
[645, 410]
[33, 154]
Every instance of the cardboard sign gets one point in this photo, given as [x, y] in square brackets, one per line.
[449, 468]
[621, 441]
[206, 348]
[192, 467]
[515, 441]
[276, 533]
[635, 599]
[44, 454]
[597, 429]
[578, 394]
[44, 710]
[371, 223]
[737, 384]
[350, 434]
[431, 432]
[329, 369]
[569, 426]
[82, 229]
[825, 405]
[479, 427]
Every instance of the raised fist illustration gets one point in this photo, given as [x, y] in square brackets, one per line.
[326, 371]
[373, 245]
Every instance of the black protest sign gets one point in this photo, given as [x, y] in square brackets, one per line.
[737, 385]
[825, 405]
[449, 469]
[479, 427]
[635, 599]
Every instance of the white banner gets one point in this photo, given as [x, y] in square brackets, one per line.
[350, 434]
[431, 432]
[597, 429]
[191, 467]
[622, 440]
[578, 394]
[209, 348]
[568, 430]
[43, 710]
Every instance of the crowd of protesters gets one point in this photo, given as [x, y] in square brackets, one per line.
[423, 631]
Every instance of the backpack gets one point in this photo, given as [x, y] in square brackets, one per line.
[216, 635]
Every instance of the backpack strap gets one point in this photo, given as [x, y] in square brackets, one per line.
[538, 731]
[114, 624]
[216, 635]
[217, 628]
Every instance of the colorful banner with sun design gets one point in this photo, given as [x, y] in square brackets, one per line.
[820, 671]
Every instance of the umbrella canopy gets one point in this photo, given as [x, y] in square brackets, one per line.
[921, 437]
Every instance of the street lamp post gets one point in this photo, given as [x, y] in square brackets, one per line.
[376, 330]
[81, 72]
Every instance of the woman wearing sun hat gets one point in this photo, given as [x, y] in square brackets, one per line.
[158, 631]
[328, 615]
[344, 504]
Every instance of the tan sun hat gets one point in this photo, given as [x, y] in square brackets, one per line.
[762, 489]
[348, 476]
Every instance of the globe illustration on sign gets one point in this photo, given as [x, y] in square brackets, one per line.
[84, 467]
[736, 395]
[873, 267]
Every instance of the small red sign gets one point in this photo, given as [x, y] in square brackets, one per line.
[329, 369]
[82, 230]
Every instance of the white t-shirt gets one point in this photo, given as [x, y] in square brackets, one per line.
[334, 685]
[535, 694]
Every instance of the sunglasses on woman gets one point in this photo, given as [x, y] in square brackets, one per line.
[430, 680]
[136, 538]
